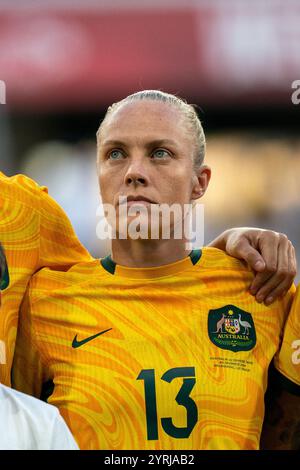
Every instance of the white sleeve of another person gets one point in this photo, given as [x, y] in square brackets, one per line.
[30, 424]
[61, 438]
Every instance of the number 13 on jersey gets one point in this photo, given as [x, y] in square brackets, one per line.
[182, 398]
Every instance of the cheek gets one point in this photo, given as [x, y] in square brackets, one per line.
[105, 186]
[179, 186]
[110, 183]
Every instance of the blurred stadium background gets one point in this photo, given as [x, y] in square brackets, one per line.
[64, 62]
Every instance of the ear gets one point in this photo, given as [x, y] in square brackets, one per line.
[200, 181]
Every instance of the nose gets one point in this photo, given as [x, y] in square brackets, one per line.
[136, 174]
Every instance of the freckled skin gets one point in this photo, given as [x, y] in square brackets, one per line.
[145, 149]
[171, 179]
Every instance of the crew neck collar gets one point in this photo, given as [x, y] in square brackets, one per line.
[151, 273]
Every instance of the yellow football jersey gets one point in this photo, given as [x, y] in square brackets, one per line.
[35, 232]
[171, 357]
[287, 361]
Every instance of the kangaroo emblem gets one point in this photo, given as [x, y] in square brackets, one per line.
[232, 328]
[220, 324]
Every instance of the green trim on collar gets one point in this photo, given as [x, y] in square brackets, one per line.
[108, 264]
[195, 255]
[5, 278]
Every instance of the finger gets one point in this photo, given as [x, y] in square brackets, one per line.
[268, 246]
[282, 289]
[259, 281]
[243, 250]
[293, 260]
[281, 278]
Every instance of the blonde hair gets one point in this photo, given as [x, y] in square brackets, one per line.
[188, 111]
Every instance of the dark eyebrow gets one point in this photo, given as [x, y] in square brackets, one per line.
[150, 144]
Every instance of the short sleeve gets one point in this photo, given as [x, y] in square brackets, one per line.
[62, 438]
[59, 246]
[287, 360]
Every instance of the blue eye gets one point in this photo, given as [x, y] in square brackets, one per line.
[115, 155]
[160, 154]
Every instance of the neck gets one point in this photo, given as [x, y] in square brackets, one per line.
[148, 253]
